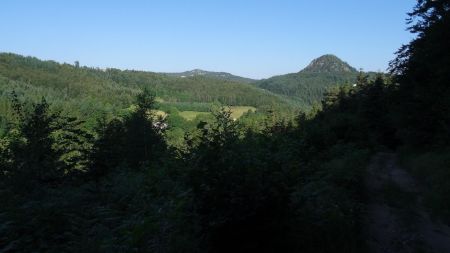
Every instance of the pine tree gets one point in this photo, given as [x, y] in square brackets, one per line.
[36, 159]
[46, 146]
[143, 143]
[108, 149]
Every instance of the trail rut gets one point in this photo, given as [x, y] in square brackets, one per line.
[395, 219]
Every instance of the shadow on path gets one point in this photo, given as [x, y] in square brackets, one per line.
[395, 219]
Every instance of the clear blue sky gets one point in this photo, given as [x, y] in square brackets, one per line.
[253, 38]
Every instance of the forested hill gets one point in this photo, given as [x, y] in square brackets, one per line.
[85, 90]
[328, 64]
[309, 84]
[217, 75]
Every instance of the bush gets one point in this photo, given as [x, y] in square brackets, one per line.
[433, 168]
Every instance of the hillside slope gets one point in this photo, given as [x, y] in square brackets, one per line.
[91, 90]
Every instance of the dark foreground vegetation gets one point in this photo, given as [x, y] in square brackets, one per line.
[284, 186]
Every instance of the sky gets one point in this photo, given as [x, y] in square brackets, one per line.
[251, 38]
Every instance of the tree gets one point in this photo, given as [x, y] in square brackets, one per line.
[46, 146]
[108, 149]
[240, 194]
[36, 159]
[143, 143]
[421, 69]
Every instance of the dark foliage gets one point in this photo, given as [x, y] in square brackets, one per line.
[422, 107]
[422, 69]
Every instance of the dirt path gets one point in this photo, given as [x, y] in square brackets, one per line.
[396, 220]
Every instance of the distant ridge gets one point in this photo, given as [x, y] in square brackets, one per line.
[211, 74]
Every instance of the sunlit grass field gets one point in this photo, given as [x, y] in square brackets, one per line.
[236, 112]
